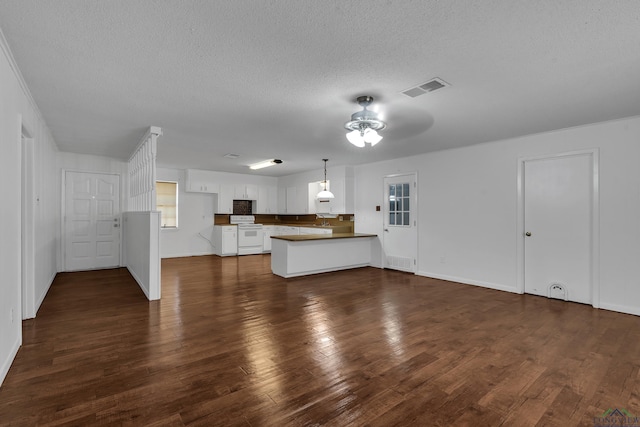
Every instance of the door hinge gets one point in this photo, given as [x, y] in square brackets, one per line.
[414, 261]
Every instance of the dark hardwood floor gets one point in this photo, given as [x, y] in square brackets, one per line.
[231, 344]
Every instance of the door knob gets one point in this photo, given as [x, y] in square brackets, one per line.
[528, 234]
[386, 229]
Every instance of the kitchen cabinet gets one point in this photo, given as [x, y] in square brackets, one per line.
[298, 200]
[246, 192]
[291, 200]
[267, 232]
[224, 202]
[282, 200]
[200, 181]
[267, 202]
[225, 240]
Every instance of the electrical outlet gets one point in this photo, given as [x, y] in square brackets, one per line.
[340, 218]
[443, 259]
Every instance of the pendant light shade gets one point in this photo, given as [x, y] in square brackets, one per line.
[325, 195]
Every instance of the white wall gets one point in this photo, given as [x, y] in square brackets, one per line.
[141, 235]
[467, 201]
[17, 110]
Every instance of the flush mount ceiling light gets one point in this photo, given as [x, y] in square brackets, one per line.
[325, 195]
[364, 125]
[265, 164]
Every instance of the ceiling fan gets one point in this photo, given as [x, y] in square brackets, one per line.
[364, 125]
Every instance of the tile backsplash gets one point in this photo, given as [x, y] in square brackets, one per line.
[242, 207]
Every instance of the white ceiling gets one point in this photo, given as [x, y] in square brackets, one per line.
[278, 79]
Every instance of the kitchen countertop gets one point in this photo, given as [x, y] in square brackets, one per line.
[308, 237]
[334, 228]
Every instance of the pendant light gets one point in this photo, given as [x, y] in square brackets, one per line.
[325, 195]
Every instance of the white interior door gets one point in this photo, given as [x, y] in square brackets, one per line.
[400, 239]
[558, 215]
[92, 221]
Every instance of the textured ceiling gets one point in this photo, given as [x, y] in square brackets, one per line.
[278, 79]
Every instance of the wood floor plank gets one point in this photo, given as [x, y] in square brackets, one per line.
[230, 344]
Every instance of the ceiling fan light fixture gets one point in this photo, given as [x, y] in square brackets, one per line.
[355, 138]
[364, 125]
[371, 136]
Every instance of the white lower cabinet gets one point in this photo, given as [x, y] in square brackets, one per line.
[267, 232]
[225, 240]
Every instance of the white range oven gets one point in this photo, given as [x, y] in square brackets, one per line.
[250, 238]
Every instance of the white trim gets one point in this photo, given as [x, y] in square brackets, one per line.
[466, 281]
[190, 254]
[27, 210]
[620, 308]
[41, 298]
[595, 219]
[6, 364]
[4, 46]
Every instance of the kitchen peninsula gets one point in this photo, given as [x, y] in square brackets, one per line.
[301, 255]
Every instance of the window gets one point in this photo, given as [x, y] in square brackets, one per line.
[167, 203]
[399, 204]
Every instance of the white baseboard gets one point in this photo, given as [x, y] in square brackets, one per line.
[184, 255]
[44, 294]
[466, 281]
[6, 364]
[620, 308]
[603, 305]
[140, 283]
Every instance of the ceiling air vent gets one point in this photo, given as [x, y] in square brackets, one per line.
[433, 84]
[232, 156]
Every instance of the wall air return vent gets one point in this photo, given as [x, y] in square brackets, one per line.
[433, 84]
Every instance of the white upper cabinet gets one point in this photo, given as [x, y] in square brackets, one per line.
[267, 202]
[225, 199]
[199, 181]
[298, 200]
[231, 186]
[291, 200]
[246, 192]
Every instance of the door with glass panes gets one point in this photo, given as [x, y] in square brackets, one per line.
[400, 238]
